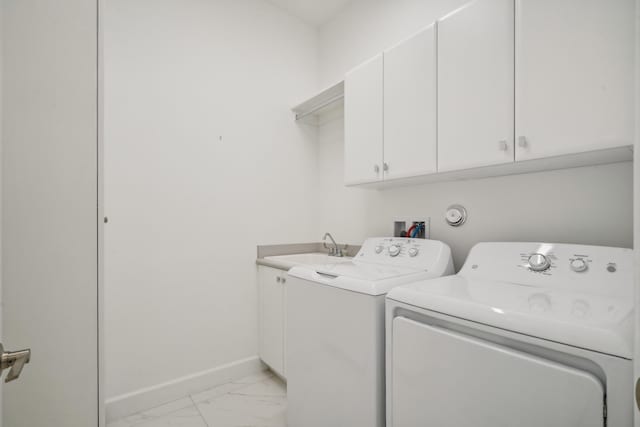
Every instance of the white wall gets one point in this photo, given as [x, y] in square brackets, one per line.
[588, 205]
[186, 209]
[366, 27]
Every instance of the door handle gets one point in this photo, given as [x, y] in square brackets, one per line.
[14, 360]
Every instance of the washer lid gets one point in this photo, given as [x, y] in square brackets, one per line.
[370, 279]
[593, 322]
[362, 271]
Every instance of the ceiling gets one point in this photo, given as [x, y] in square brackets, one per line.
[315, 12]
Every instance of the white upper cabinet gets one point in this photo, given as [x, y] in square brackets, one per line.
[476, 85]
[363, 112]
[410, 119]
[574, 75]
[518, 85]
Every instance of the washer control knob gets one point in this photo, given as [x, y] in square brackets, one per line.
[394, 250]
[379, 249]
[578, 265]
[413, 252]
[539, 262]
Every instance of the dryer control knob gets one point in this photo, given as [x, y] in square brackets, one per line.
[539, 262]
[413, 252]
[394, 250]
[379, 249]
[578, 265]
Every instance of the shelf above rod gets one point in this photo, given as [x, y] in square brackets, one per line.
[320, 102]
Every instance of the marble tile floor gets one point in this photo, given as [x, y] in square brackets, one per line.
[256, 401]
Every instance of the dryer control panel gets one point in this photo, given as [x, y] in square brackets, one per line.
[598, 269]
[417, 254]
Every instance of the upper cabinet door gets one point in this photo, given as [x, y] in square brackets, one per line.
[363, 112]
[410, 118]
[475, 85]
[574, 75]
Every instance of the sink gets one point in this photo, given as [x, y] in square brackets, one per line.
[308, 259]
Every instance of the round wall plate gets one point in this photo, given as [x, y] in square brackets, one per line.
[456, 215]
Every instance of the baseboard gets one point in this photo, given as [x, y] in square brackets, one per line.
[146, 398]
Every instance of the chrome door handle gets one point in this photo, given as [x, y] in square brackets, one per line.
[14, 360]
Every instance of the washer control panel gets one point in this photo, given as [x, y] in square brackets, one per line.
[563, 266]
[419, 254]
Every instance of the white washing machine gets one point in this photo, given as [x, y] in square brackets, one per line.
[335, 330]
[527, 335]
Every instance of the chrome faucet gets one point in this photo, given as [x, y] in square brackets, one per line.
[335, 250]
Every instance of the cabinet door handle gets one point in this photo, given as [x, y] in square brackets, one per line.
[522, 142]
[283, 280]
[376, 168]
[503, 146]
[385, 167]
[278, 279]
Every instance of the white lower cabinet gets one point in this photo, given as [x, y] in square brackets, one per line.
[271, 297]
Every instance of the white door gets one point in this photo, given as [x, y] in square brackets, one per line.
[494, 386]
[410, 107]
[574, 74]
[636, 230]
[50, 211]
[475, 85]
[363, 123]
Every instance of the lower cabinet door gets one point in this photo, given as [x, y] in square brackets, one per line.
[271, 317]
[441, 378]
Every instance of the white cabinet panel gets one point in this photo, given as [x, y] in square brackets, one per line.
[363, 123]
[410, 106]
[574, 75]
[476, 85]
[493, 385]
[271, 317]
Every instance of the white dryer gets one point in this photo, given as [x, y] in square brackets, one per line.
[527, 335]
[335, 330]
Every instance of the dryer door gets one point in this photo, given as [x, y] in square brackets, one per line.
[445, 379]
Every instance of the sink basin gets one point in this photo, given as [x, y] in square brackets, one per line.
[308, 259]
